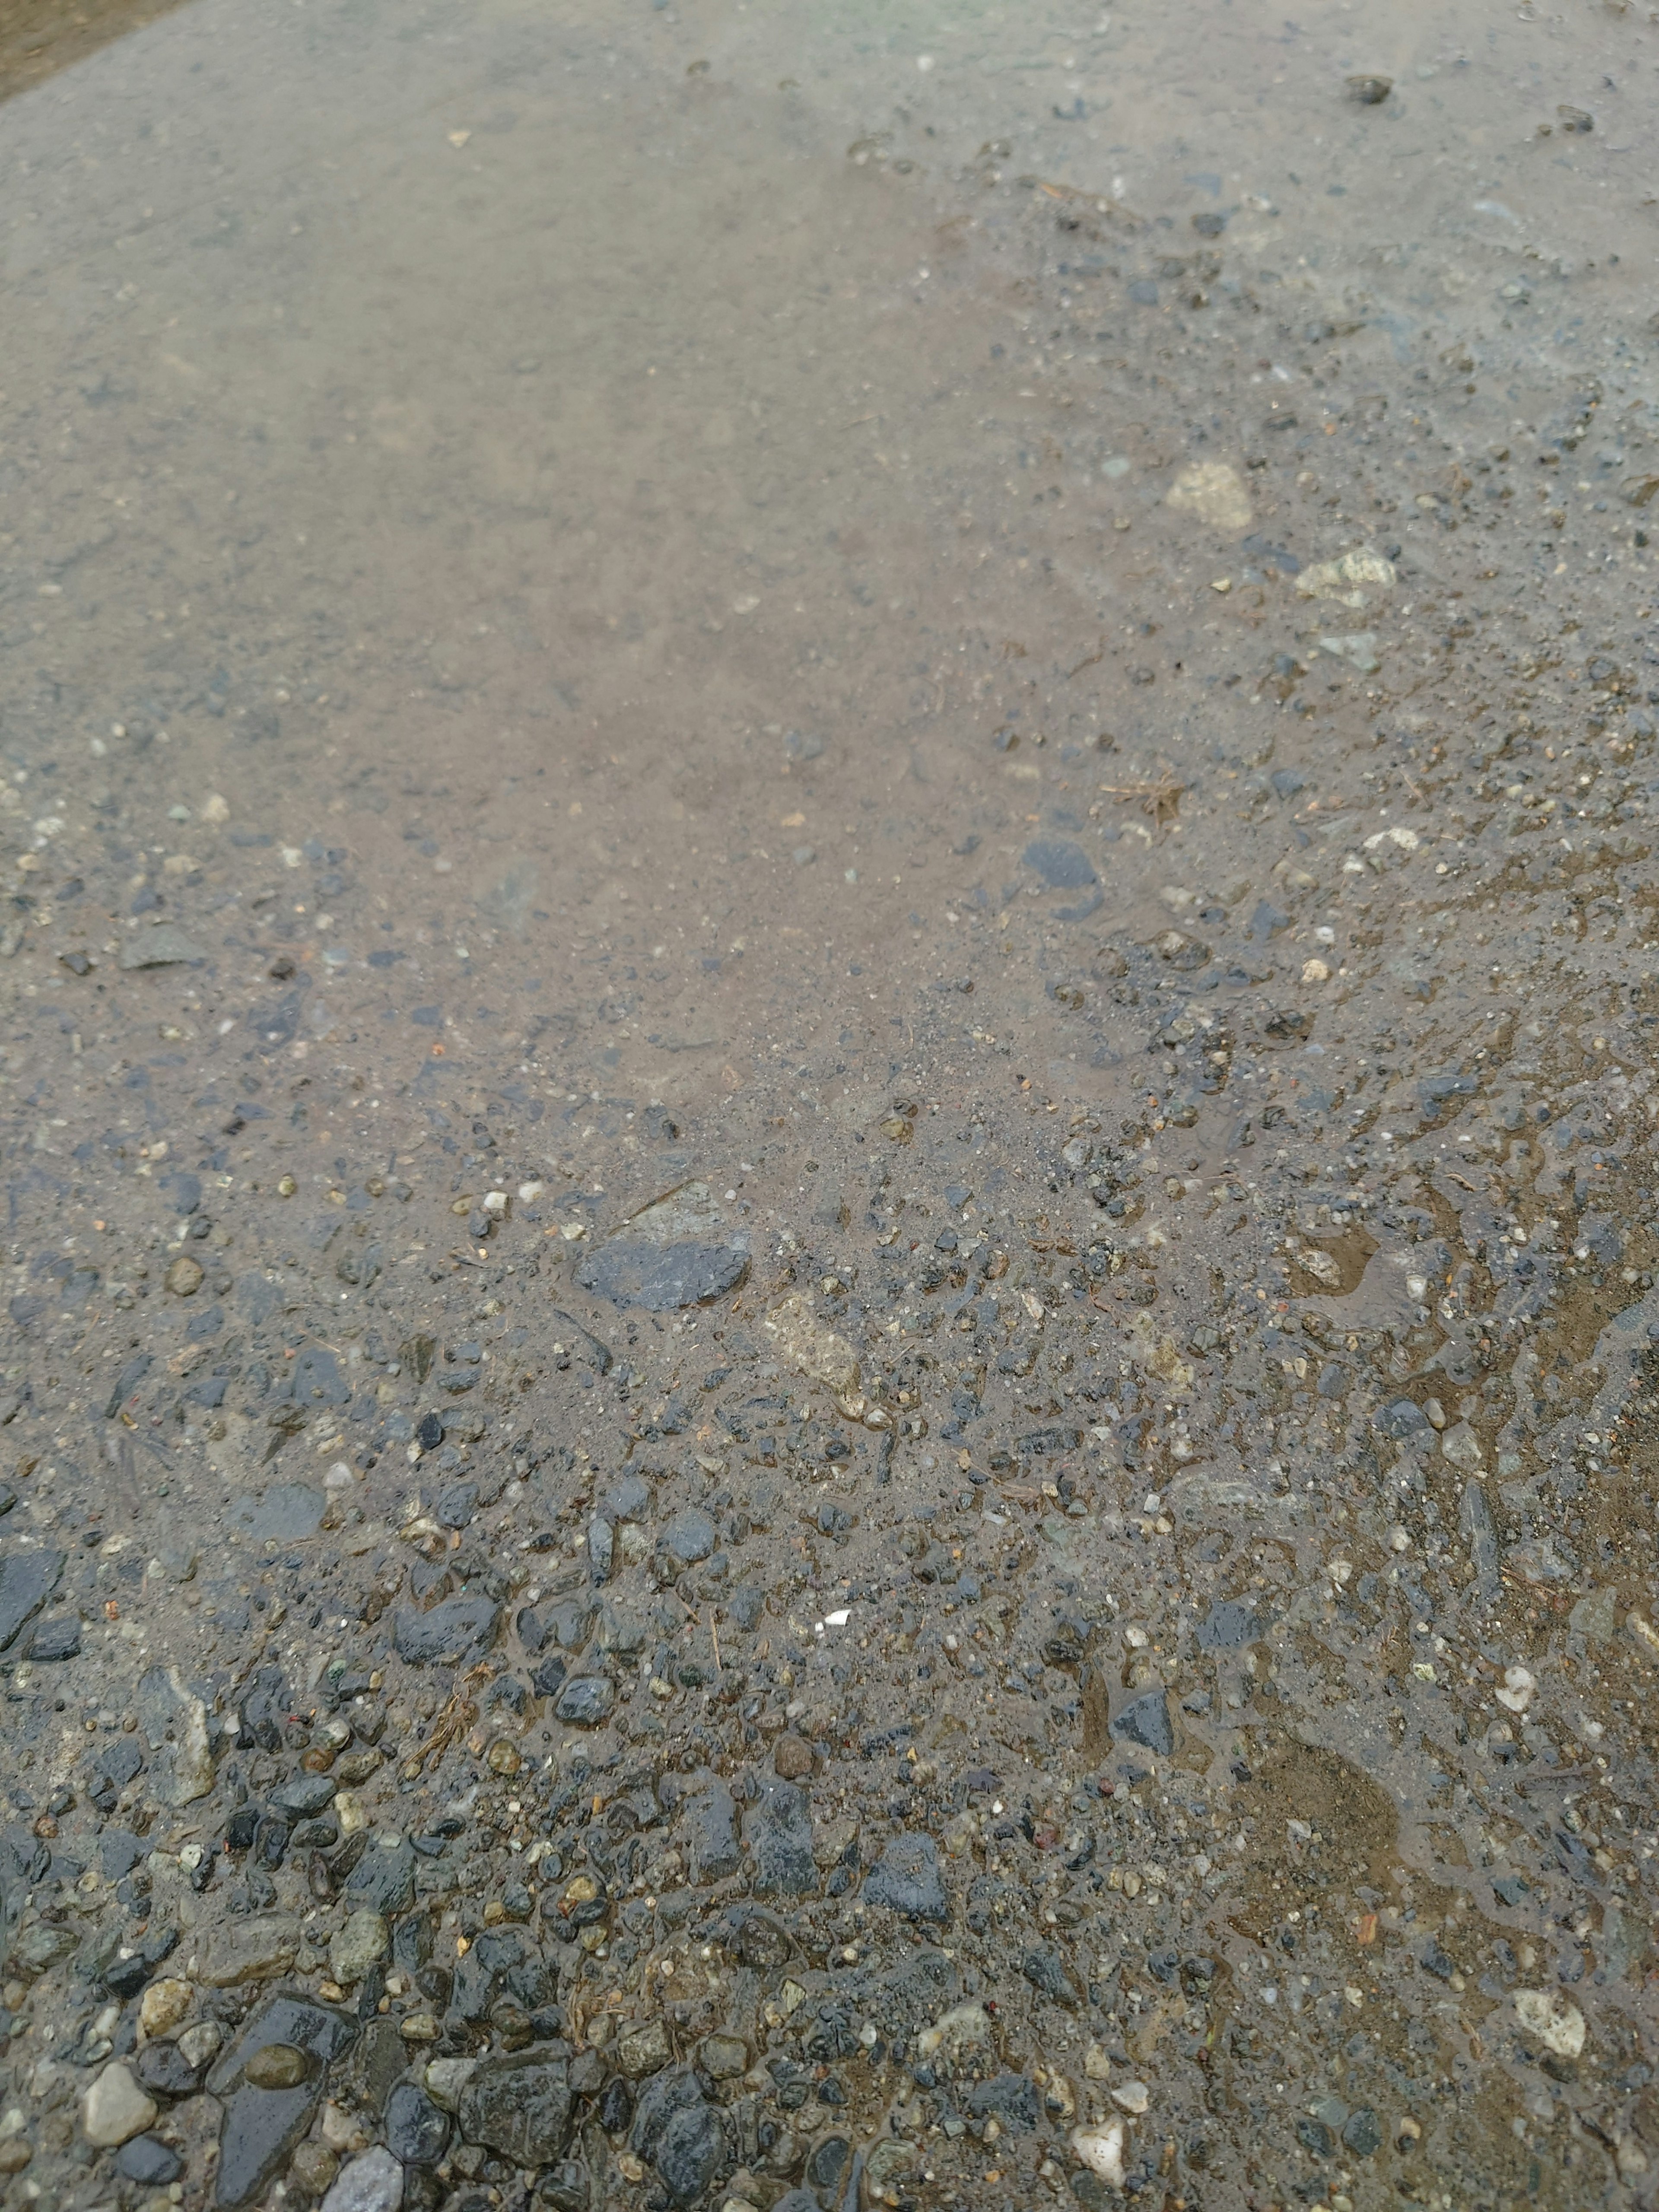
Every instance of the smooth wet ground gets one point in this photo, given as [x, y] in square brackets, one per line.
[827, 935]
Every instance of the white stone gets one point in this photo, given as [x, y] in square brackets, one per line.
[373, 2183]
[174, 1724]
[1101, 2149]
[446, 2078]
[965, 2028]
[1519, 1683]
[1553, 2018]
[201, 2044]
[115, 2109]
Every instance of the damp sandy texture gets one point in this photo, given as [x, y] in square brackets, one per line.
[827, 929]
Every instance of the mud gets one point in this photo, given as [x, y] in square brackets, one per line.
[828, 1114]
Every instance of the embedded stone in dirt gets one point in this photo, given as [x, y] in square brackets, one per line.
[456, 1629]
[777, 1832]
[671, 1254]
[174, 1724]
[1145, 1720]
[115, 2108]
[906, 1878]
[519, 2105]
[373, 2183]
[27, 1579]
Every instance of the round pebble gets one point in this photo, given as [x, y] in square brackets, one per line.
[277, 2066]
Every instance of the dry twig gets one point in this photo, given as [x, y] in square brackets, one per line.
[1159, 799]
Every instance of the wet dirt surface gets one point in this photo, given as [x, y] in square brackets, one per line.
[830, 1162]
[37, 40]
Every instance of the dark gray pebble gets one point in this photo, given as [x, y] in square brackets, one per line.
[163, 2070]
[1404, 1419]
[711, 1831]
[55, 1639]
[149, 2161]
[1061, 864]
[906, 1878]
[383, 1880]
[690, 1535]
[1010, 2098]
[457, 1504]
[27, 1579]
[459, 1628]
[586, 1700]
[1363, 2135]
[633, 1270]
[307, 1794]
[519, 2105]
[417, 2130]
[1226, 1625]
[777, 1832]
[1146, 1721]
[680, 2133]
[629, 1498]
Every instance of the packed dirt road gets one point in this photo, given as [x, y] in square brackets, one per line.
[827, 929]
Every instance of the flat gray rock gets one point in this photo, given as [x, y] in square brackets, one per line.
[906, 1878]
[262, 2125]
[518, 2105]
[1061, 864]
[166, 945]
[676, 2129]
[287, 1513]
[57, 1639]
[27, 1579]
[662, 1278]
[777, 1832]
[586, 1700]
[674, 1253]
[384, 1878]
[1228, 1624]
[460, 1628]
[1146, 1721]
[690, 1535]
[709, 1826]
